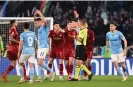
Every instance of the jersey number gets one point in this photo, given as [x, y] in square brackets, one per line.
[30, 41]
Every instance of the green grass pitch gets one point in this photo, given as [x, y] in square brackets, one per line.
[97, 81]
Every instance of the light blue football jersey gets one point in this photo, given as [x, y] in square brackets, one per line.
[115, 41]
[43, 41]
[28, 38]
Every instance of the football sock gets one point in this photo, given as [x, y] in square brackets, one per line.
[70, 69]
[85, 69]
[31, 73]
[61, 69]
[67, 68]
[24, 70]
[90, 67]
[77, 71]
[50, 66]
[85, 74]
[47, 68]
[10, 67]
[21, 71]
[119, 71]
[124, 69]
[39, 72]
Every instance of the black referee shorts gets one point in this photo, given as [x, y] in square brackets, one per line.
[80, 52]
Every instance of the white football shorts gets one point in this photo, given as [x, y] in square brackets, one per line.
[24, 57]
[42, 53]
[118, 57]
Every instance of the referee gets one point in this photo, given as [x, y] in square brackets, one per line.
[80, 51]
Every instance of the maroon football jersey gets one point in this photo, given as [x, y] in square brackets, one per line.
[57, 39]
[69, 37]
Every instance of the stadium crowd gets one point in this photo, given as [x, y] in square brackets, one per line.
[98, 14]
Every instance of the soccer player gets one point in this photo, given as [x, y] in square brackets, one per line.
[12, 50]
[57, 43]
[89, 50]
[80, 51]
[43, 44]
[27, 46]
[113, 40]
[69, 47]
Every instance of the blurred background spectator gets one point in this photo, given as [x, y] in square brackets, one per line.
[130, 51]
[105, 53]
[1, 47]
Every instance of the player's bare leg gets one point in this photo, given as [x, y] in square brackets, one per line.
[21, 73]
[31, 72]
[61, 69]
[67, 66]
[48, 73]
[10, 67]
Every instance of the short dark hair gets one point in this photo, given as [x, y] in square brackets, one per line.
[63, 24]
[12, 21]
[38, 19]
[113, 23]
[26, 25]
[56, 22]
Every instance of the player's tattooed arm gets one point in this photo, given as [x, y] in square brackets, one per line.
[20, 48]
[125, 44]
[125, 47]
